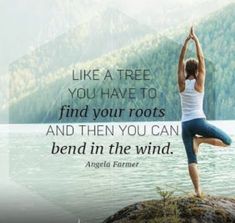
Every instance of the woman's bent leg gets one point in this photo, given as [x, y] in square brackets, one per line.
[211, 141]
[210, 135]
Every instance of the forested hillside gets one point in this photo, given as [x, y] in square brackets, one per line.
[217, 36]
[104, 33]
[156, 53]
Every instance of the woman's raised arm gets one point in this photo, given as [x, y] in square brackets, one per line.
[201, 62]
[181, 75]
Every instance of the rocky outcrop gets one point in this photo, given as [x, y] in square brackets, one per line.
[209, 209]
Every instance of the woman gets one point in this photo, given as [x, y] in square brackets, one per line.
[195, 128]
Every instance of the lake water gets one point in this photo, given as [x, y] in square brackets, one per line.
[94, 194]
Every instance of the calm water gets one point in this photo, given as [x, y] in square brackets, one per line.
[94, 194]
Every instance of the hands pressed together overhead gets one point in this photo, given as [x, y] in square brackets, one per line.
[201, 62]
[191, 35]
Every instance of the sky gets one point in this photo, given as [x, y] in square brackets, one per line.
[27, 24]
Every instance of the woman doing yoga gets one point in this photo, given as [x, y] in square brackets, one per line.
[195, 129]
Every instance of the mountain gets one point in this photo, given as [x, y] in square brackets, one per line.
[217, 37]
[104, 33]
[154, 52]
[109, 31]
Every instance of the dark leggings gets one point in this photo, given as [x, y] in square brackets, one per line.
[200, 127]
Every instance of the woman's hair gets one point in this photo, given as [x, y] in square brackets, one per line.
[191, 65]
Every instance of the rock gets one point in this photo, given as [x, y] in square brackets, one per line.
[210, 209]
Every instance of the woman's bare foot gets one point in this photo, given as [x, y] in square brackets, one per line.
[198, 193]
[195, 144]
